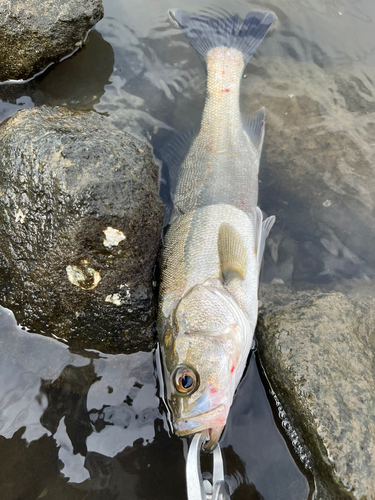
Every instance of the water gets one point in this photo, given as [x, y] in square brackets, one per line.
[92, 426]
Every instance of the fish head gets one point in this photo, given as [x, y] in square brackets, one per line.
[204, 358]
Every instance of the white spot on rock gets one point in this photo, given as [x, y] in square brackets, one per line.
[20, 216]
[127, 291]
[84, 276]
[327, 203]
[114, 299]
[112, 237]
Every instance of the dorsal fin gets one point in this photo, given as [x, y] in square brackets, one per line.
[232, 253]
[254, 128]
[172, 155]
[262, 229]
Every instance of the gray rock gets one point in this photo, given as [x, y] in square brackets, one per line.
[36, 34]
[318, 350]
[80, 225]
[317, 167]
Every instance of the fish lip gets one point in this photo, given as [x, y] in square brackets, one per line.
[203, 420]
[214, 436]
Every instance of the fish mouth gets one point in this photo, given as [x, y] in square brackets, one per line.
[213, 438]
[210, 420]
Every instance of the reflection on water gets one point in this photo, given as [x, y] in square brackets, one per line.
[100, 422]
[89, 426]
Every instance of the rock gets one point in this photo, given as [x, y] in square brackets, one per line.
[36, 34]
[77, 82]
[80, 226]
[318, 350]
[317, 167]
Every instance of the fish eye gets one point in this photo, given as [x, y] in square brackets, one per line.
[185, 380]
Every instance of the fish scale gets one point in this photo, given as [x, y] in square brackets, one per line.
[222, 164]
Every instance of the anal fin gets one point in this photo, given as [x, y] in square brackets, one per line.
[232, 253]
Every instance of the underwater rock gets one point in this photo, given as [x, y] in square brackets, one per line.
[36, 34]
[80, 226]
[318, 167]
[318, 350]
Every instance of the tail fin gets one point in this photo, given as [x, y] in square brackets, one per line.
[205, 33]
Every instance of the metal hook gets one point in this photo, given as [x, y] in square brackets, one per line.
[197, 488]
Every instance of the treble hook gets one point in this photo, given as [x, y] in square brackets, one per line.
[197, 488]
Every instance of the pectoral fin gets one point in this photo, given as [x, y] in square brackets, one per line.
[232, 253]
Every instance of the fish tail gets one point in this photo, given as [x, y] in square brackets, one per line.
[205, 33]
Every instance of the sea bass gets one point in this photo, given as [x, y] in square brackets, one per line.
[208, 301]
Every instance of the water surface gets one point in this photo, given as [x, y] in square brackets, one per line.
[92, 426]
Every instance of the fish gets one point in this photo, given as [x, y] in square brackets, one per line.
[213, 247]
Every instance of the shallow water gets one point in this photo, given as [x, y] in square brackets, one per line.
[90, 425]
[85, 425]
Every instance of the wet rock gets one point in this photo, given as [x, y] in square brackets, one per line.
[318, 350]
[77, 82]
[36, 34]
[317, 168]
[80, 224]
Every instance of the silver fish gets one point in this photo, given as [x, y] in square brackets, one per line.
[208, 302]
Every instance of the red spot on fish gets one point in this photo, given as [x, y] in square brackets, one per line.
[242, 202]
[232, 369]
[223, 73]
[213, 390]
[225, 91]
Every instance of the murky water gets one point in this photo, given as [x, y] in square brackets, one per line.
[88, 426]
